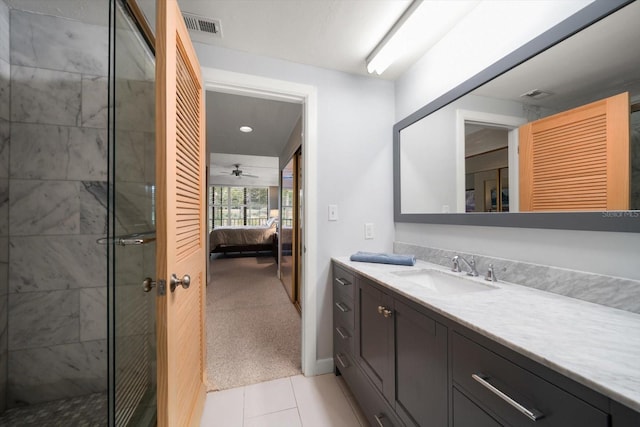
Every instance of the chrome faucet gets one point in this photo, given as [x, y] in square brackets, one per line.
[471, 265]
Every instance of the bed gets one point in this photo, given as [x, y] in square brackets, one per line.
[244, 239]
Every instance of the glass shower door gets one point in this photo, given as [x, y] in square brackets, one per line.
[132, 250]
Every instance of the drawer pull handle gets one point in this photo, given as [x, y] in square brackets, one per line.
[532, 414]
[380, 419]
[343, 308]
[342, 334]
[342, 362]
[343, 282]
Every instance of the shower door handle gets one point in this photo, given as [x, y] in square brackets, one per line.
[161, 285]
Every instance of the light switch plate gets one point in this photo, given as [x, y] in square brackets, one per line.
[333, 212]
[368, 231]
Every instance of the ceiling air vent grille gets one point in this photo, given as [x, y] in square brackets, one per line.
[204, 25]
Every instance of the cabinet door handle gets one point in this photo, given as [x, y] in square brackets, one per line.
[532, 414]
[380, 419]
[342, 334]
[342, 282]
[343, 308]
[384, 311]
[342, 362]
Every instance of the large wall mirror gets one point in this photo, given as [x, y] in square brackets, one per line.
[490, 152]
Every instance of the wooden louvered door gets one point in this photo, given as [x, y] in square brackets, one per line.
[180, 181]
[577, 160]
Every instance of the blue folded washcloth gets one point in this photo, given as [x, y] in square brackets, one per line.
[382, 258]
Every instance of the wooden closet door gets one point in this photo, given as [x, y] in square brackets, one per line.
[577, 160]
[181, 243]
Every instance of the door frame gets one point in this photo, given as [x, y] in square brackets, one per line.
[306, 95]
[511, 123]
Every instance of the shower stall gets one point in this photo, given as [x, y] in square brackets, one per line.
[77, 225]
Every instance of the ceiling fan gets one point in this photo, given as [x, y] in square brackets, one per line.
[238, 172]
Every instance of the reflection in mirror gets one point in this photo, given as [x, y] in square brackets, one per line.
[486, 163]
[449, 160]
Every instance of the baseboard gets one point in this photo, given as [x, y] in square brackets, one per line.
[324, 366]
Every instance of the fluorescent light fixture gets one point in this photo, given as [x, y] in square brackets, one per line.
[423, 24]
[246, 129]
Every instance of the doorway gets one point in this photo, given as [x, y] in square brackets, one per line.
[305, 95]
[487, 162]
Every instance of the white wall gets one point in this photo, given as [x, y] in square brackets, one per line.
[442, 69]
[354, 152]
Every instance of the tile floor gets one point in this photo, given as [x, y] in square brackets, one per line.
[320, 401]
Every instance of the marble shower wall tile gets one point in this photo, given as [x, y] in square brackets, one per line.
[133, 207]
[4, 32]
[4, 207]
[93, 207]
[95, 101]
[611, 291]
[5, 138]
[58, 152]
[40, 319]
[44, 263]
[135, 105]
[45, 96]
[55, 372]
[130, 156]
[5, 89]
[59, 44]
[93, 312]
[44, 208]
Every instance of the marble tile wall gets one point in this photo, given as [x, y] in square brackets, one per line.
[614, 292]
[5, 131]
[57, 178]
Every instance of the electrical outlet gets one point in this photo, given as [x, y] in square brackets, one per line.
[368, 230]
[333, 212]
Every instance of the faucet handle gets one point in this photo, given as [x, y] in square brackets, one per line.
[456, 264]
[491, 275]
[472, 267]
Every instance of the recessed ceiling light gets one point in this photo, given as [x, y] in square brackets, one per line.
[246, 129]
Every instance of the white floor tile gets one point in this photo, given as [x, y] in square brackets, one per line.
[224, 408]
[321, 402]
[268, 397]
[286, 418]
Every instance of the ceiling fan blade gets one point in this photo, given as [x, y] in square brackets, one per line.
[250, 176]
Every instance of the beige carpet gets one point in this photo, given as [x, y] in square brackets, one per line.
[253, 330]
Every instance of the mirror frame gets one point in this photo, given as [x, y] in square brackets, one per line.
[620, 221]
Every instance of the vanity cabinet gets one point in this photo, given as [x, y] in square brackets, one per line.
[400, 357]
[409, 366]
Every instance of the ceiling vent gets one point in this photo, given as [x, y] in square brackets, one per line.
[535, 94]
[204, 25]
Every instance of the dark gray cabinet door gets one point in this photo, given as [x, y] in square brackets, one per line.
[374, 336]
[420, 368]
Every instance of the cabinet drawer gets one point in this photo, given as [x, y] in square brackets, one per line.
[343, 340]
[467, 414]
[343, 283]
[508, 391]
[343, 314]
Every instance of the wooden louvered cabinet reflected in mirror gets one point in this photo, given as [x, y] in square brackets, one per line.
[577, 160]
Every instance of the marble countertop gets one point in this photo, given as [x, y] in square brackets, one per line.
[592, 344]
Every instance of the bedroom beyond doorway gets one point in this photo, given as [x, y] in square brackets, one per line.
[253, 330]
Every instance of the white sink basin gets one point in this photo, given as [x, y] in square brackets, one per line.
[442, 283]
